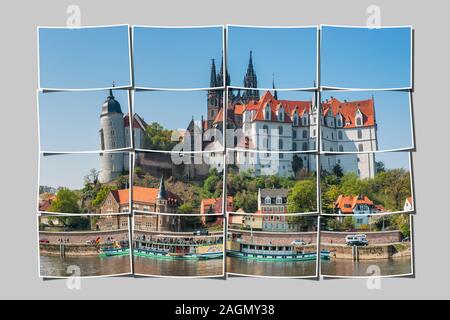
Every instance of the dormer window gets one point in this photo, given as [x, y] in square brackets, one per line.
[295, 118]
[279, 200]
[268, 200]
[304, 120]
[339, 120]
[358, 118]
[281, 114]
[267, 112]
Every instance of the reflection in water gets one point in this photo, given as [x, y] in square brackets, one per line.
[271, 268]
[343, 267]
[89, 266]
[163, 267]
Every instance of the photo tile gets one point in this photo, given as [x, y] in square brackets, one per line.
[179, 121]
[366, 58]
[84, 245]
[366, 184]
[159, 64]
[265, 246]
[381, 246]
[190, 183]
[170, 245]
[81, 121]
[84, 183]
[84, 58]
[366, 121]
[293, 64]
[272, 183]
[272, 120]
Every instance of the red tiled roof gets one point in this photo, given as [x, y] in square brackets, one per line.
[140, 194]
[289, 107]
[219, 117]
[216, 205]
[347, 203]
[138, 122]
[348, 111]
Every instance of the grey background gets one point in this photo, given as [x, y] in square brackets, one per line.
[18, 268]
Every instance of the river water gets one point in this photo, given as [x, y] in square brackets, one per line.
[89, 266]
[271, 268]
[163, 267]
[342, 267]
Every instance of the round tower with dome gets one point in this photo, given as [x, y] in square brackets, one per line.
[112, 136]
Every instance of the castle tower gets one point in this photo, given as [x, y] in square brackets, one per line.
[250, 81]
[213, 96]
[112, 136]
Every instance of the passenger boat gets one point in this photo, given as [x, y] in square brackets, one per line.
[178, 251]
[270, 252]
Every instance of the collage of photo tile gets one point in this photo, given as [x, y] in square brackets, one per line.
[202, 152]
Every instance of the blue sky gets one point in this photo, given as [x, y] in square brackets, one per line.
[171, 109]
[67, 170]
[70, 121]
[365, 58]
[176, 57]
[392, 113]
[288, 54]
[84, 58]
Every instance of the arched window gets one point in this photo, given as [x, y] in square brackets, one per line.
[305, 121]
[280, 115]
[358, 121]
[305, 146]
[267, 113]
[340, 135]
[279, 200]
[341, 148]
[339, 122]
[267, 200]
[296, 119]
[360, 147]
[359, 134]
[304, 134]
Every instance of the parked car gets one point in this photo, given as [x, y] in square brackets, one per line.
[357, 240]
[298, 243]
[90, 242]
[202, 232]
[44, 241]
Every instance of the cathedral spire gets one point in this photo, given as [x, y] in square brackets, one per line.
[162, 189]
[275, 94]
[250, 81]
[213, 79]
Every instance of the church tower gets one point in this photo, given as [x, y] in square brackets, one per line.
[250, 81]
[112, 136]
[213, 96]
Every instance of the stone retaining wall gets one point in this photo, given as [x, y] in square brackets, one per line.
[382, 237]
[81, 237]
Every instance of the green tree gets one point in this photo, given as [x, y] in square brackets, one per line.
[338, 171]
[303, 197]
[185, 208]
[297, 163]
[379, 167]
[212, 186]
[158, 138]
[66, 202]
[247, 201]
[101, 195]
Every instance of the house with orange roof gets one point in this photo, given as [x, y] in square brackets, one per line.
[145, 201]
[409, 205]
[361, 207]
[211, 208]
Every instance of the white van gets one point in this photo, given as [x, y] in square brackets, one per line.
[356, 240]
